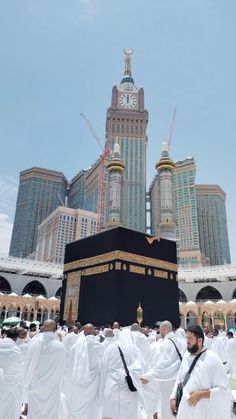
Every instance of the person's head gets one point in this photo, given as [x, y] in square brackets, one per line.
[33, 327]
[230, 335]
[12, 334]
[88, 329]
[4, 332]
[165, 327]
[71, 328]
[78, 325]
[144, 330]
[109, 333]
[208, 333]
[116, 325]
[215, 332]
[22, 323]
[195, 339]
[22, 332]
[49, 326]
[96, 331]
[135, 327]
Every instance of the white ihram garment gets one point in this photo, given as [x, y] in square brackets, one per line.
[11, 377]
[151, 391]
[164, 369]
[68, 341]
[208, 374]
[44, 368]
[231, 355]
[142, 343]
[81, 397]
[118, 402]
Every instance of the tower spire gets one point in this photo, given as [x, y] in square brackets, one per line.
[165, 168]
[127, 73]
[128, 52]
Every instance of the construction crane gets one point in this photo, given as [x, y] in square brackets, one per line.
[172, 129]
[104, 155]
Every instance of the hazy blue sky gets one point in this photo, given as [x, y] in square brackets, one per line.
[61, 57]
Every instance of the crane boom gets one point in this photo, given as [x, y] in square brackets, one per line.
[172, 128]
[90, 127]
[101, 188]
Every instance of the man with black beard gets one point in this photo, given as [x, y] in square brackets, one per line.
[206, 394]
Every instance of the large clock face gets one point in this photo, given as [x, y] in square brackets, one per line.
[127, 101]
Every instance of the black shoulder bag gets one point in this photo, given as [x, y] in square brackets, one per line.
[178, 352]
[179, 391]
[128, 377]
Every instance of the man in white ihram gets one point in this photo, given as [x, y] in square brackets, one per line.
[11, 376]
[118, 402]
[81, 398]
[44, 367]
[165, 368]
[205, 394]
[140, 340]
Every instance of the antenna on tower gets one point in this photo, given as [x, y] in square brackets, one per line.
[172, 128]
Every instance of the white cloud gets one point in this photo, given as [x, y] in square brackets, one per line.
[5, 234]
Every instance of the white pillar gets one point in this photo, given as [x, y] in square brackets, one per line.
[225, 321]
[213, 323]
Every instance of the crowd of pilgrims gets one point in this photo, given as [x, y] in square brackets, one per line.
[75, 372]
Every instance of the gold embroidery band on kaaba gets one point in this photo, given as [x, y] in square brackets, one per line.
[123, 256]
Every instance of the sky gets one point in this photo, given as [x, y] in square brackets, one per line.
[60, 58]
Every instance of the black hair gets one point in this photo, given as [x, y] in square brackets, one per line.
[197, 331]
[12, 333]
[33, 326]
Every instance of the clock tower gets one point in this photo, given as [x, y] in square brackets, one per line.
[127, 121]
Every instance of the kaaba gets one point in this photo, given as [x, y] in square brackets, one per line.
[107, 276]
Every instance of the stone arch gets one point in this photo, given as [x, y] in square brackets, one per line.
[45, 314]
[39, 315]
[208, 293]
[52, 314]
[191, 318]
[58, 293]
[12, 311]
[182, 296]
[24, 315]
[5, 287]
[31, 316]
[18, 311]
[34, 288]
[206, 320]
[2, 314]
[230, 319]
[219, 320]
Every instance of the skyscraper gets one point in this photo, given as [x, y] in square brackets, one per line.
[212, 223]
[76, 191]
[63, 226]
[186, 213]
[127, 119]
[40, 192]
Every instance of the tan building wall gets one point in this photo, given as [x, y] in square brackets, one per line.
[212, 315]
[28, 308]
[63, 226]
